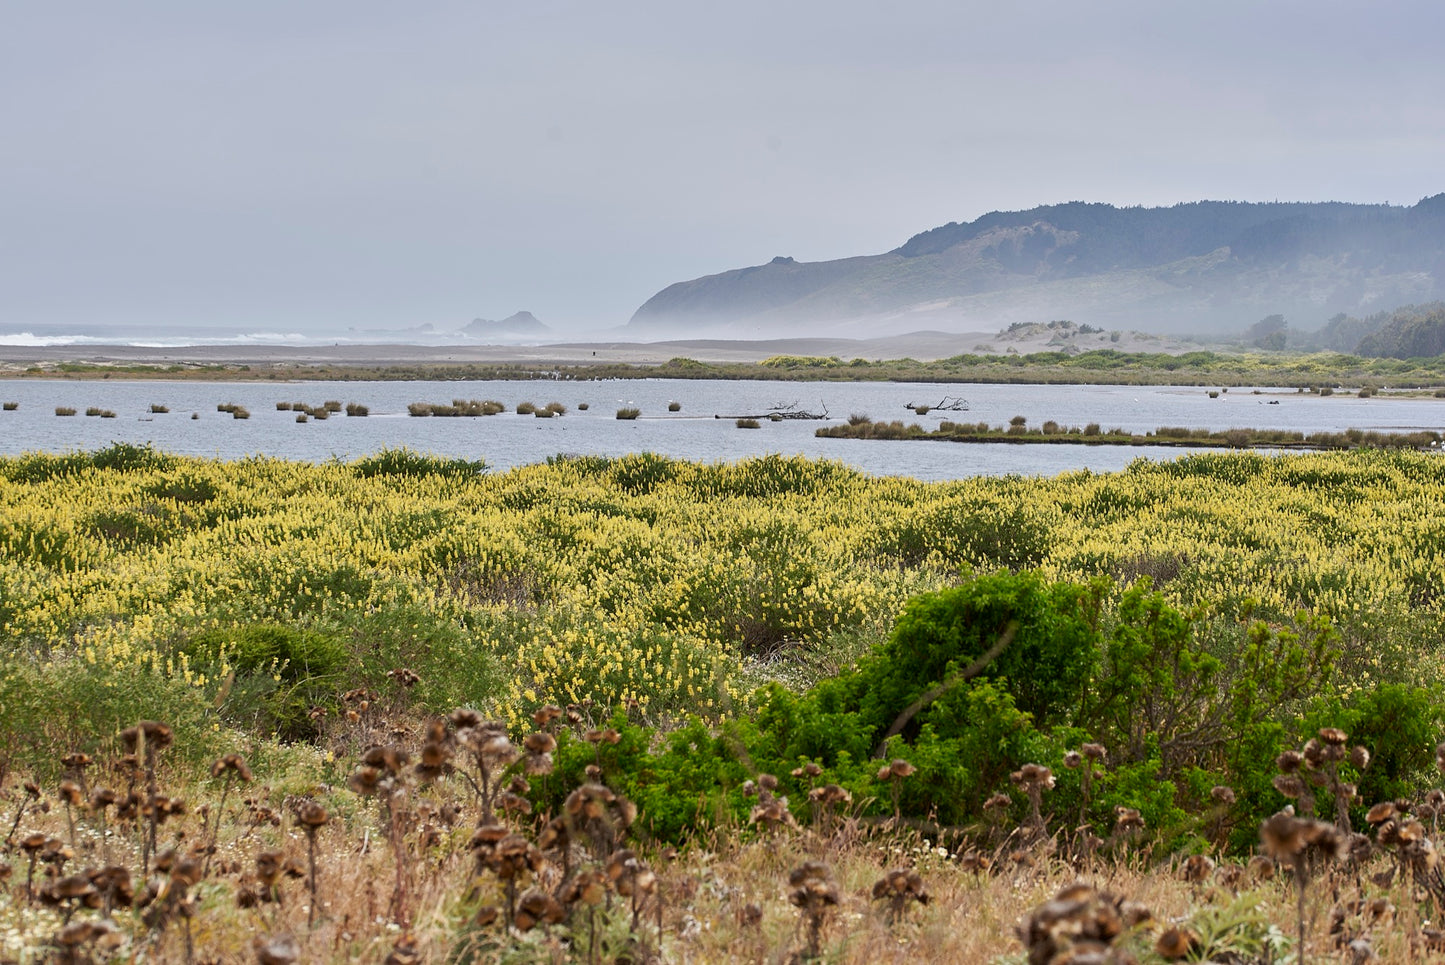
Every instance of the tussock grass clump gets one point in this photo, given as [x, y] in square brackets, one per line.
[11, 406]
[331, 405]
[556, 408]
[357, 410]
[159, 409]
[526, 408]
[628, 413]
[64, 410]
[748, 424]
[583, 406]
[302, 417]
[94, 410]
[674, 407]
[283, 407]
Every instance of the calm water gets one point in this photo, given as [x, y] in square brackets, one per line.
[693, 433]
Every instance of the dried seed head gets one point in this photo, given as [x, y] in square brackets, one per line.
[233, 764]
[1127, 819]
[310, 814]
[767, 782]
[1289, 762]
[1314, 752]
[537, 907]
[405, 677]
[998, 802]
[1261, 868]
[545, 714]
[1198, 868]
[1175, 943]
[1221, 794]
[901, 768]
[1094, 752]
[1289, 785]
[540, 743]
[1073, 759]
[77, 760]
[1282, 835]
[1333, 736]
[1380, 813]
[71, 794]
[1360, 756]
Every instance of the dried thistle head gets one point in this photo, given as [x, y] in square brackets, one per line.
[404, 677]
[1127, 820]
[232, 764]
[900, 768]
[537, 907]
[1333, 736]
[1073, 759]
[71, 794]
[1198, 868]
[155, 735]
[1220, 794]
[1282, 836]
[1289, 762]
[998, 802]
[1380, 813]
[77, 760]
[311, 815]
[1094, 752]
[1289, 785]
[1360, 756]
[545, 714]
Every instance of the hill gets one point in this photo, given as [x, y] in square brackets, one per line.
[1207, 268]
[516, 326]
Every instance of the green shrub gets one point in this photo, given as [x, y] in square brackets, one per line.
[277, 674]
[405, 462]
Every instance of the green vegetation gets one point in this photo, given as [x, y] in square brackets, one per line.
[1052, 433]
[994, 685]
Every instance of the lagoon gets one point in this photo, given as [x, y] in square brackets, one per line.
[693, 433]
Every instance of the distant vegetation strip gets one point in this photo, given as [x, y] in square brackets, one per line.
[1052, 433]
[1095, 367]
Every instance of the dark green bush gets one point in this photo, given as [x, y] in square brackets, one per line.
[405, 462]
[277, 674]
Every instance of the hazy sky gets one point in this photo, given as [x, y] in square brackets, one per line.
[334, 163]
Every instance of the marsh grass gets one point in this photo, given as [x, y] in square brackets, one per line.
[64, 410]
[628, 413]
[11, 406]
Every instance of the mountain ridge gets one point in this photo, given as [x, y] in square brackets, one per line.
[1203, 267]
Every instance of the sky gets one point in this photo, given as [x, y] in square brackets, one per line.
[323, 165]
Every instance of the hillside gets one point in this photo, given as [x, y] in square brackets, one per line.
[1209, 268]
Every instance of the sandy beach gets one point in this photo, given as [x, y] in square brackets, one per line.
[918, 345]
[923, 346]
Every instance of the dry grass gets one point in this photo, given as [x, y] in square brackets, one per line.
[410, 862]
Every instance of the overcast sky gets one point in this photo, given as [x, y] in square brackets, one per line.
[301, 164]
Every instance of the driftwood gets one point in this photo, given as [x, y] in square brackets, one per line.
[950, 403]
[933, 693]
[781, 411]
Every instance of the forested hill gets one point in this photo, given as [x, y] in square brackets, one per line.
[1209, 267]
